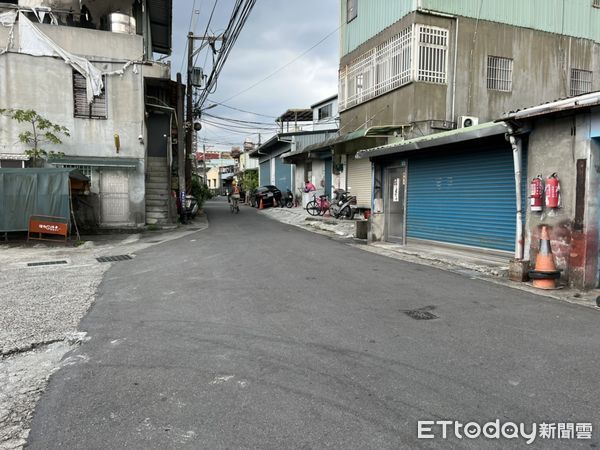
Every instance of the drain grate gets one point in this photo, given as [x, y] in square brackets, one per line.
[421, 313]
[46, 263]
[114, 258]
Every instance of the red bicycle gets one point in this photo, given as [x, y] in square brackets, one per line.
[318, 206]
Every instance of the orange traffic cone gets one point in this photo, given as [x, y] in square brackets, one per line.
[545, 274]
[260, 205]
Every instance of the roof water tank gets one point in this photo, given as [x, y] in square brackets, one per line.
[121, 23]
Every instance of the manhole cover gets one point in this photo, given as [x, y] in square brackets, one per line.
[46, 263]
[114, 258]
[421, 313]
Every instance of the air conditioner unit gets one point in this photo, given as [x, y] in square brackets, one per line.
[467, 121]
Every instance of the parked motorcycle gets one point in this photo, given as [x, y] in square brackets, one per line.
[191, 206]
[287, 199]
[343, 204]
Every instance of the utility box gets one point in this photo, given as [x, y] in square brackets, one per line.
[362, 227]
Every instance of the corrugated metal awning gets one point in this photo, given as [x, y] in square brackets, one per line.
[14, 156]
[435, 140]
[160, 25]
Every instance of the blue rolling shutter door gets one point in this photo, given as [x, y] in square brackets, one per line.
[265, 173]
[464, 198]
[283, 175]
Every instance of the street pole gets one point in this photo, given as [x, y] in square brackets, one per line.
[180, 146]
[190, 113]
[204, 163]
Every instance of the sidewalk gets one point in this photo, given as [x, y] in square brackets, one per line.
[477, 264]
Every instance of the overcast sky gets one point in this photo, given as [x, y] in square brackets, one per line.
[276, 32]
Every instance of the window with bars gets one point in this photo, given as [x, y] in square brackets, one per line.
[325, 112]
[86, 170]
[95, 110]
[499, 73]
[393, 64]
[433, 45]
[596, 3]
[581, 82]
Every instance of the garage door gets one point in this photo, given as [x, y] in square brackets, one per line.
[265, 173]
[463, 198]
[283, 175]
[359, 180]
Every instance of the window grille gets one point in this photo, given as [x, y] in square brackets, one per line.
[499, 73]
[596, 3]
[97, 109]
[581, 82]
[433, 45]
[86, 170]
[377, 71]
[393, 64]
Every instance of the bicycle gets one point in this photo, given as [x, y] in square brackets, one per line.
[234, 206]
[318, 206]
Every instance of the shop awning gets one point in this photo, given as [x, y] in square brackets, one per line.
[372, 132]
[435, 140]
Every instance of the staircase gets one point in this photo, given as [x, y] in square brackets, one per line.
[157, 191]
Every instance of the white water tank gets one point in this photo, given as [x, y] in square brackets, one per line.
[121, 23]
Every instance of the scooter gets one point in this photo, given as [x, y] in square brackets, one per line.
[287, 199]
[343, 205]
[191, 206]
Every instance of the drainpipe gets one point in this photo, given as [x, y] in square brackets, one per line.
[517, 148]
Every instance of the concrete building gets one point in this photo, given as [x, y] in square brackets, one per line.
[284, 160]
[420, 82]
[93, 72]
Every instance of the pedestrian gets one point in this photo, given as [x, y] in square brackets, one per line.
[309, 187]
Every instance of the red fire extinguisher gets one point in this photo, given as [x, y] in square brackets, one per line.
[552, 191]
[536, 193]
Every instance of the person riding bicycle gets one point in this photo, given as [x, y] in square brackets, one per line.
[235, 195]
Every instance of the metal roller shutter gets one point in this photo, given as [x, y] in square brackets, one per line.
[265, 173]
[464, 198]
[359, 180]
[283, 175]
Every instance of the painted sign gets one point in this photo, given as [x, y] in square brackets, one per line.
[44, 225]
[396, 190]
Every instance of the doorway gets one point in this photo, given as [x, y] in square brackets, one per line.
[395, 183]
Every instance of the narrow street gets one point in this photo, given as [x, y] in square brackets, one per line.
[257, 334]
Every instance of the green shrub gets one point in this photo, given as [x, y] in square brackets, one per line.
[200, 191]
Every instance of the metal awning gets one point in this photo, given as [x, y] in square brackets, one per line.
[572, 103]
[372, 132]
[14, 156]
[435, 140]
[160, 25]
[95, 161]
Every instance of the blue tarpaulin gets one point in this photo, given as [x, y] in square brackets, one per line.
[27, 192]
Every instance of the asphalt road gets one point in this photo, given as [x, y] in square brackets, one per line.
[256, 334]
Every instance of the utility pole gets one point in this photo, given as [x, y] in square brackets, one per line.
[180, 146]
[208, 40]
[190, 112]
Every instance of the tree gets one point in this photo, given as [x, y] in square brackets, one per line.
[42, 132]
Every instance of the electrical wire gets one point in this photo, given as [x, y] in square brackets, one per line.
[249, 122]
[282, 67]
[242, 110]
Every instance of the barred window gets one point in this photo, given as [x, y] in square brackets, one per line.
[499, 73]
[325, 112]
[581, 82]
[97, 109]
[596, 3]
[433, 44]
[86, 170]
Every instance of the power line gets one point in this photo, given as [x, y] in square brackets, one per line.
[243, 110]
[282, 67]
[245, 122]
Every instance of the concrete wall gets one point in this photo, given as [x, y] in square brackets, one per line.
[555, 145]
[542, 64]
